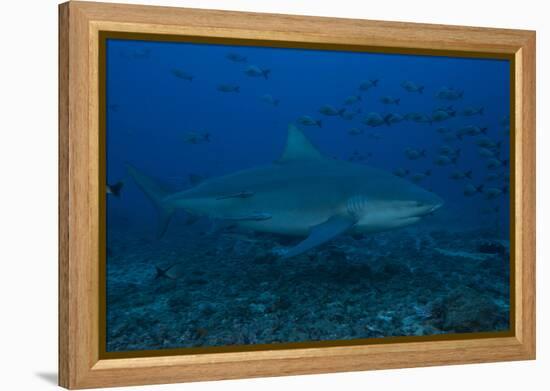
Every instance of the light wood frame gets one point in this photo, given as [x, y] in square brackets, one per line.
[80, 365]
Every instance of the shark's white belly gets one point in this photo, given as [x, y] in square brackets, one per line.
[287, 223]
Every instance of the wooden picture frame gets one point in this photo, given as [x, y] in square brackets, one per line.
[81, 364]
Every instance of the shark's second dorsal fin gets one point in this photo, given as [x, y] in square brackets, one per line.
[298, 147]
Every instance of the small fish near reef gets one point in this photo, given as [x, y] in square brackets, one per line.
[493, 176]
[496, 163]
[401, 172]
[447, 93]
[172, 272]
[255, 71]
[449, 151]
[457, 175]
[352, 99]
[389, 100]
[445, 160]
[330, 111]
[181, 74]
[486, 142]
[374, 119]
[471, 111]
[115, 189]
[306, 120]
[471, 131]
[419, 118]
[368, 84]
[393, 118]
[485, 152]
[470, 190]
[494, 192]
[442, 115]
[235, 57]
[355, 131]
[420, 176]
[228, 88]
[410, 86]
[450, 137]
[415, 154]
[197, 138]
[267, 98]
[448, 109]
[348, 115]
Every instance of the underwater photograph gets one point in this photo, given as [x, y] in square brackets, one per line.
[263, 195]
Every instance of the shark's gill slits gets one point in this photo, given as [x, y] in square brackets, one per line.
[356, 205]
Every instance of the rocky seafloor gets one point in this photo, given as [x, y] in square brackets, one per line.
[231, 290]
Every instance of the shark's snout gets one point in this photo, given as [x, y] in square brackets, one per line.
[428, 204]
[433, 206]
[436, 206]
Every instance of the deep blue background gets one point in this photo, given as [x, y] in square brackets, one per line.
[150, 111]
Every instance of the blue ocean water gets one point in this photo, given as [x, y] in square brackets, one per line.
[181, 113]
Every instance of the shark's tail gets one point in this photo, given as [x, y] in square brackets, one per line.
[157, 194]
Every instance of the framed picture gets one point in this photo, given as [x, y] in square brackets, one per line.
[247, 195]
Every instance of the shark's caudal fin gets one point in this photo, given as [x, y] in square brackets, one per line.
[156, 193]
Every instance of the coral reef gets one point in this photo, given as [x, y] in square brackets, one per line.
[229, 288]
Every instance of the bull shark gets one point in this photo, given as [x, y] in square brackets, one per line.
[304, 194]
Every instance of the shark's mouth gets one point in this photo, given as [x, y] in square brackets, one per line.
[425, 211]
[430, 209]
[436, 207]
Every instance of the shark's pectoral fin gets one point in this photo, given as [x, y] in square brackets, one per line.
[320, 234]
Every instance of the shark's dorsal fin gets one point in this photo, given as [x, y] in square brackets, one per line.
[298, 147]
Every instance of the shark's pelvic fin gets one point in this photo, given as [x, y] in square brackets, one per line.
[218, 225]
[298, 147]
[156, 193]
[320, 234]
